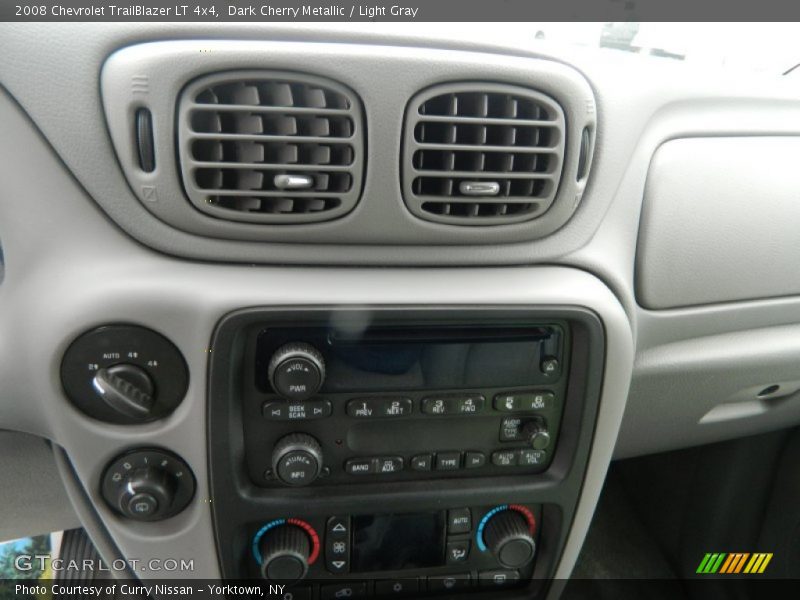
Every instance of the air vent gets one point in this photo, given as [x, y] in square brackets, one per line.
[482, 154]
[271, 147]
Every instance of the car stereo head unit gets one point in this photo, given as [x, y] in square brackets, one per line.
[347, 402]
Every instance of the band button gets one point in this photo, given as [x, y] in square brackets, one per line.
[361, 466]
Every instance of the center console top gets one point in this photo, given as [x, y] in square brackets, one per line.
[360, 452]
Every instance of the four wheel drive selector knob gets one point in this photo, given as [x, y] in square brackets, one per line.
[124, 374]
[127, 389]
[296, 371]
[507, 534]
[297, 459]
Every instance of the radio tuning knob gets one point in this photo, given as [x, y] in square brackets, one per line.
[508, 536]
[285, 552]
[296, 371]
[297, 459]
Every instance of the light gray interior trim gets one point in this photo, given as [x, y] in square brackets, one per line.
[88, 273]
[88, 517]
[32, 498]
[720, 221]
[707, 389]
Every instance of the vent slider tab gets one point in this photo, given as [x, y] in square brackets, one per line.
[479, 188]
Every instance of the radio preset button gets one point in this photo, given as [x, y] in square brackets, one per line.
[453, 405]
[296, 411]
[524, 401]
[448, 461]
[468, 405]
[367, 408]
[435, 406]
[361, 466]
[474, 460]
[505, 458]
[422, 462]
[459, 520]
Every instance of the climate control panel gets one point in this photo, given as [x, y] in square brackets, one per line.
[459, 549]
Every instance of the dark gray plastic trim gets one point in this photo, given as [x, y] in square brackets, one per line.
[170, 190]
[415, 202]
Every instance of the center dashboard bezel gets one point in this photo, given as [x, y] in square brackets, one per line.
[237, 503]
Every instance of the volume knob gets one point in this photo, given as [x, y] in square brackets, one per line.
[296, 371]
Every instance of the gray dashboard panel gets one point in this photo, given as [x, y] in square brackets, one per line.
[69, 266]
[69, 270]
[720, 221]
[36, 502]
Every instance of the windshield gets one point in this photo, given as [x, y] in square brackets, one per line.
[769, 48]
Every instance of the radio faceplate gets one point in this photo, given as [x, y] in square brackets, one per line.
[408, 402]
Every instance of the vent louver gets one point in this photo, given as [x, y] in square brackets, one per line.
[271, 147]
[482, 153]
